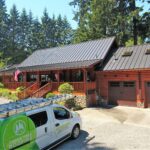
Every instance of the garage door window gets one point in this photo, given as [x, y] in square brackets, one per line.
[115, 84]
[128, 84]
[148, 84]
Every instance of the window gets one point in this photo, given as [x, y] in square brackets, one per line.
[61, 113]
[128, 84]
[31, 77]
[147, 52]
[148, 84]
[115, 84]
[39, 119]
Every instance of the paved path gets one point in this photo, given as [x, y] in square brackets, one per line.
[119, 128]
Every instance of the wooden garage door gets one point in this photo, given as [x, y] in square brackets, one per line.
[122, 93]
[147, 86]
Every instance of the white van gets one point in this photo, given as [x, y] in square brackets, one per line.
[36, 124]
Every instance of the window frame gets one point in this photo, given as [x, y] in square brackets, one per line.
[129, 84]
[62, 118]
[41, 124]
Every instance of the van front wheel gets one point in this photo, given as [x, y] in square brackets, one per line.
[75, 132]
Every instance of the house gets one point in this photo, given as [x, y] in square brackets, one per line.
[98, 70]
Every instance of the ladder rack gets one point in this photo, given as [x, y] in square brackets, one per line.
[17, 107]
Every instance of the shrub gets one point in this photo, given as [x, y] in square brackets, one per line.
[65, 88]
[6, 93]
[70, 104]
[13, 96]
[19, 89]
[1, 85]
[49, 95]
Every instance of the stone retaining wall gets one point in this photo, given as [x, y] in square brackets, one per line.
[81, 100]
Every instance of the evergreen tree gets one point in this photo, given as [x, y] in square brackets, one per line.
[46, 29]
[3, 29]
[14, 35]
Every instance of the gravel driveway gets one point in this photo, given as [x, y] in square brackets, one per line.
[118, 128]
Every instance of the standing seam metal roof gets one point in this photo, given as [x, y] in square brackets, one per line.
[138, 59]
[86, 51]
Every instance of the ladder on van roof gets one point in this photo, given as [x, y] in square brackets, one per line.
[17, 107]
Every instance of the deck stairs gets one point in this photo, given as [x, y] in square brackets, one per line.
[42, 91]
[27, 92]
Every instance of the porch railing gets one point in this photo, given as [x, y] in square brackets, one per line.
[78, 86]
[42, 91]
[28, 91]
[14, 85]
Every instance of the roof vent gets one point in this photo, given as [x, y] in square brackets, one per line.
[127, 53]
[147, 52]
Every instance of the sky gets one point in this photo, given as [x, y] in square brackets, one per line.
[53, 6]
[37, 6]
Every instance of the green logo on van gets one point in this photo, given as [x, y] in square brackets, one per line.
[15, 131]
[19, 127]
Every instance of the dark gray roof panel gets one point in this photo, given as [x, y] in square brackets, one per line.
[138, 59]
[67, 65]
[91, 50]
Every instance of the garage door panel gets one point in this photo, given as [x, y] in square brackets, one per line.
[122, 93]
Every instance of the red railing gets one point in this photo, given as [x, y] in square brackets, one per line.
[28, 91]
[42, 91]
[14, 85]
[78, 86]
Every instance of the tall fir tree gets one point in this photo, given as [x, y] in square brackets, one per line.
[14, 35]
[3, 29]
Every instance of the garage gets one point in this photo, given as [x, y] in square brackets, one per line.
[122, 93]
[147, 90]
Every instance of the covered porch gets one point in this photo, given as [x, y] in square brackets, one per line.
[82, 79]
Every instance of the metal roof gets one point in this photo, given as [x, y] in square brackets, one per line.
[76, 55]
[67, 65]
[138, 59]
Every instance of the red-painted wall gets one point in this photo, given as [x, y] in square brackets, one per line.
[140, 78]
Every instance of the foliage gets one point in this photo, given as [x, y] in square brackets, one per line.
[70, 104]
[19, 89]
[1, 85]
[21, 33]
[65, 88]
[105, 18]
[13, 96]
[8, 94]
[50, 95]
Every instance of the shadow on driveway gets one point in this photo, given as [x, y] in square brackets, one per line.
[84, 142]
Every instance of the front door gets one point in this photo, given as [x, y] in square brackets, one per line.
[63, 122]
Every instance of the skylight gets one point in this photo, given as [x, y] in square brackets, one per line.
[127, 53]
[147, 52]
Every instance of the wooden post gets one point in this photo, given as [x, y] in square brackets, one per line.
[85, 80]
[38, 78]
[25, 78]
[58, 74]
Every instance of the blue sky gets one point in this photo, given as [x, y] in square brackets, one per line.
[53, 6]
[37, 6]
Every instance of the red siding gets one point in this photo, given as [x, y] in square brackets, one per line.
[140, 78]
